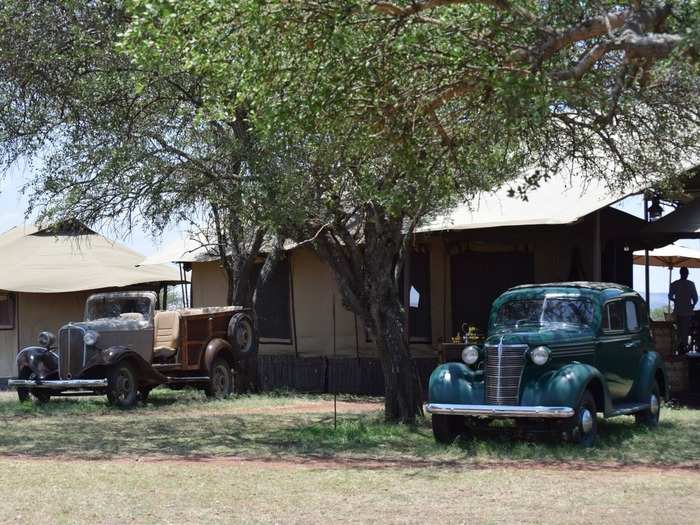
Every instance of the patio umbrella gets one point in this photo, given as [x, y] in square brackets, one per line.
[671, 256]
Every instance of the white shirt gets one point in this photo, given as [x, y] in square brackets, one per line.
[683, 295]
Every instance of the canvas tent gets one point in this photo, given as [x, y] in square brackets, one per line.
[46, 275]
[461, 260]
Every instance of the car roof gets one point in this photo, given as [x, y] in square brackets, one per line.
[608, 290]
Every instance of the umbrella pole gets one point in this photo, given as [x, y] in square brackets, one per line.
[670, 272]
[646, 257]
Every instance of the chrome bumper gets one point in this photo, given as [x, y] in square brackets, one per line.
[499, 410]
[58, 384]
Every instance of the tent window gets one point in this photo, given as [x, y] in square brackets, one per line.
[273, 306]
[7, 312]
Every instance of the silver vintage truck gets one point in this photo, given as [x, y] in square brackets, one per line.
[124, 348]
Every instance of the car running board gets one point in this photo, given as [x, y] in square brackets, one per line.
[625, 409]
[186, 380]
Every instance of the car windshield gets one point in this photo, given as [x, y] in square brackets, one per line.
[545, 310]
[126, 308]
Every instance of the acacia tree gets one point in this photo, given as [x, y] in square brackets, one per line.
[388, 111]
[120, 146]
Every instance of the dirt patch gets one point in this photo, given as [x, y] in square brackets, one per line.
[345, 407]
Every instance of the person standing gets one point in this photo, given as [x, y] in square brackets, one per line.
[684, 296]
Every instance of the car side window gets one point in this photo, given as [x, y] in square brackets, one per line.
[642, 315]
[631, 311]
[614, 316]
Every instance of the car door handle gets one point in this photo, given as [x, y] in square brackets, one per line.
[632, 344]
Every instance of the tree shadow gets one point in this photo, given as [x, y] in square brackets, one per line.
[158, 430]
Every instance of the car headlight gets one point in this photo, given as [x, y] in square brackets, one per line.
[46, 339]
[90, 338]
[470, 354]
[540, 355]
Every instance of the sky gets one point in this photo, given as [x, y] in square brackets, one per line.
[13, 205]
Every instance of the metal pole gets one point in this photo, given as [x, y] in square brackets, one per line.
[646, 256]
[335, 387]
[670, 272]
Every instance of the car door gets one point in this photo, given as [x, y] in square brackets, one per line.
[634, 347]
[620, 346]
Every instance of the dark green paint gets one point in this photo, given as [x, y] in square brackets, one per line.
[622, 366]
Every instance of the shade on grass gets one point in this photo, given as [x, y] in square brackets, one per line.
[185, 425]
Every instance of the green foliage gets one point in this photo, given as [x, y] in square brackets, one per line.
[659, 314]
[356, 88]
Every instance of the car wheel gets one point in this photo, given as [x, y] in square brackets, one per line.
[585, 423]
[220, 383]
[23, 393]
[122, 388]
[41, 396]
[144, 393]
[447, 428]
[650, 416]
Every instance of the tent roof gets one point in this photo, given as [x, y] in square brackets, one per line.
[189, 250]
[671, 256]
[71, 258]
[560, 200]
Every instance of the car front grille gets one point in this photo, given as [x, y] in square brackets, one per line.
[71, 352]
[503, 369]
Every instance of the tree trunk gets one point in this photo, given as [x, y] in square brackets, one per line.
[242, 280]
[402, 392]
[367, 276]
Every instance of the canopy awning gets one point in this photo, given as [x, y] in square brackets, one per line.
[683, 222]
[55, 261]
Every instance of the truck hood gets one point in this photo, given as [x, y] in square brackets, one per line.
[540, 335]
[110, 325]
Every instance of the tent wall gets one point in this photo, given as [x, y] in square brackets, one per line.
[8, 348]
[35, 313]
[314, 301]
[48, 312]
[208, 284]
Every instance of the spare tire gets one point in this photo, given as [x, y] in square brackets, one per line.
[242, 335]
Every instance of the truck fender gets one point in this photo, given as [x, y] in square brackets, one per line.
[651, 369]
[41, 361]
[565, 386]
[217, 347]
[146, 373]
[456, 383]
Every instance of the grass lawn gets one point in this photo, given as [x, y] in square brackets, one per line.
[279, 459]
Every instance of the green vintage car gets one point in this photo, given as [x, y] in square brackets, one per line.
[556, 356]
